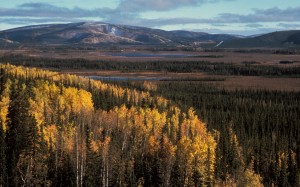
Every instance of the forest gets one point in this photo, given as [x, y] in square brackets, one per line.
[65, 130]
[266, 125]
[246, 68]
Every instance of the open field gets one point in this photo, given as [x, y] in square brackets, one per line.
[255, 82]
[228, 82]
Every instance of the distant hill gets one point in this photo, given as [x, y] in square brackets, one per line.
[102, 33]
[279, 39]
[98, 33]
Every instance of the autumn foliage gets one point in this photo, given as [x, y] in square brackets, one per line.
[64, 130]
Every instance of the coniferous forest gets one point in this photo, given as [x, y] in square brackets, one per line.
[65, 130]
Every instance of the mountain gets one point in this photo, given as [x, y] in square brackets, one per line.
[99, 33]
[96, 33]
[279, 39]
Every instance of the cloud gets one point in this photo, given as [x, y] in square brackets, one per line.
[263, 15]
[160, 5]
[289, 25]
[48, 10]
[254, 25]
[128, 12]
[254, 20]
[219, 24]
[163, 22]
[125, 8]
[28, 21]
[37, 6]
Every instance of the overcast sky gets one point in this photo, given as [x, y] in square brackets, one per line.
[245, 17]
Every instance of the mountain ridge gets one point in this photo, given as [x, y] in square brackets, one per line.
[100, 33]
[277, 39]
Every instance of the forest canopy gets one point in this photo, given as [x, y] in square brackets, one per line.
[64, 130]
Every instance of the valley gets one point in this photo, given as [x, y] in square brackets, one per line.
[220, 68]
[85, 104]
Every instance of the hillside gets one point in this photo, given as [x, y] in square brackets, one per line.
[279, 39]
[91, 133]
[96, 33]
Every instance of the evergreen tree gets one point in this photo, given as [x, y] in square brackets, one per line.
[3, 175]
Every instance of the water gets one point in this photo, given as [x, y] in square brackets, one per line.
[150, 55]
[118, 78]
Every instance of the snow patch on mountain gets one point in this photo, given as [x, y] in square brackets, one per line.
[6, 41]
[116, 32]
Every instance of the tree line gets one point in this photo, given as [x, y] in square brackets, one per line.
[184, 66]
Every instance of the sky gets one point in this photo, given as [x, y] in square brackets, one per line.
[243, 17]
